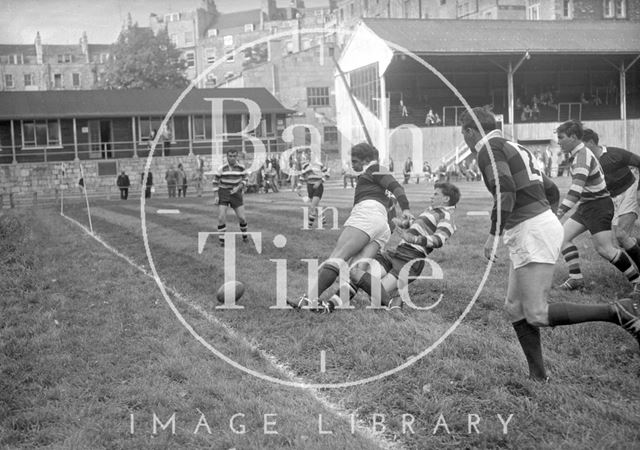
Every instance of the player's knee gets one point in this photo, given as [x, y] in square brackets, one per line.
[536, 315]
[513, 309]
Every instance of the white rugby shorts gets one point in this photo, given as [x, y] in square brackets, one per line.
[625, 203]
[538, 240]
[370, 216]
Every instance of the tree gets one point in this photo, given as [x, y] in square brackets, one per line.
[142, 60]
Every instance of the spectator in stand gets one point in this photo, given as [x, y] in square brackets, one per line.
[526, 113]
[403, 109]
[426, 169]
[583, 99]
[408, 168]
[535, 112]
[442, 171]
[430, 119]
[390, 164]
[438, 120]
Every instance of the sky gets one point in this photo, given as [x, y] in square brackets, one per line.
[63, 21]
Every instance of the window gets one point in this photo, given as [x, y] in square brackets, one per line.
[65, 58]
[231, 58]
[248, 27]
[146, 125]
[201, 128]
[228, 40]
[317, 96]
[188, 38]
[330, 135]
[41, 133]
[567, 9]
[211, 55]
[174, 39]
[57, 80]
[615, 9]
[16, 59]
[191, 59]
[212, 32]
[104, 57]
[212, 79]
[8, 80]
[76, 79]
[28, 79]
[172, 17]
[533, 12]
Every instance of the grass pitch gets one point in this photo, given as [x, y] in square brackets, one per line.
[89, 346]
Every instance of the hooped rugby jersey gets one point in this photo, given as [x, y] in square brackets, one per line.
[229, 177]
[429, 230]
[312, 173]
[587, 179]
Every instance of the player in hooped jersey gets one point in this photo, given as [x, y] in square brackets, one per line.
[228, 183]
[623, 187]
[366, 230]
[430, 230]
[533, 236]
[594, 211]
[314, 174]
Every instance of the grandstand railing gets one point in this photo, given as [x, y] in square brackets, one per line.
[571, 110]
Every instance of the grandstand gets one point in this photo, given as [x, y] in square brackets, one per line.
[533, 74]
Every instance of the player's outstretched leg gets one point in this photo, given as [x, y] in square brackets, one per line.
[572, 258]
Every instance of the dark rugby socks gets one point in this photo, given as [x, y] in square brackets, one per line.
[572, 257]
[571, 313]
[326, 276]
[222, 229]
[529, 338]
[243, 228]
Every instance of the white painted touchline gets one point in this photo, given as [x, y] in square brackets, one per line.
[477, 213]
[168, 211]
[358, 425]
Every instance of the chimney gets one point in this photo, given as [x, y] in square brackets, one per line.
[274, 48]
[84, 45]
[38, 44]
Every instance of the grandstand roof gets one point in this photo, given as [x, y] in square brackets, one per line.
[446, 36]
[128, 103]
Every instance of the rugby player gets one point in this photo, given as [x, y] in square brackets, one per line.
[533, 236]
[314, 174]
[594, 209]
[228, 183]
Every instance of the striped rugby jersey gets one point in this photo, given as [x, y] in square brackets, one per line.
[373, 184]
[312, 173]
[228, 177]
[525, 191]
[587, 182]
[615, 164]
[430, 230]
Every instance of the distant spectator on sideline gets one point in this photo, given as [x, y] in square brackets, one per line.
[403, 109]
[123, 183]
[181, 181]
[149, 187]
[171, 177]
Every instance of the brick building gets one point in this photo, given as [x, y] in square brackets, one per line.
[42, 67]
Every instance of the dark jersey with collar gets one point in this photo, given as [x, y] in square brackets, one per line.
[615, 164]
[525, 191]
[374, 183]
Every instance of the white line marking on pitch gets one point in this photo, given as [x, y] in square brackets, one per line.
[168, 211]
[477, 213]
[337, 410]
[323, 361]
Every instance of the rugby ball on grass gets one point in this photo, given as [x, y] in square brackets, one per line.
[231, 289]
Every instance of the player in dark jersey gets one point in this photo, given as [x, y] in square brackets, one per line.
[594, 209]
[622, 186]
[430, 230]
[366, 230]
[228, 183]
[533, 236]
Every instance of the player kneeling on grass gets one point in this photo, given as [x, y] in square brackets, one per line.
[429, 230]
[533, 236]
[228, 183]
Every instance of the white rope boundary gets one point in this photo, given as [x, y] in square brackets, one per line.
[360, 427]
